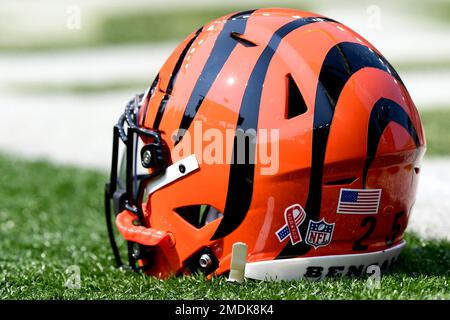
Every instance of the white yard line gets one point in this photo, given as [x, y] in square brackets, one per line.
[140, 63]
[428, 89]
[98, 65]
[66, 129]
[431, 214]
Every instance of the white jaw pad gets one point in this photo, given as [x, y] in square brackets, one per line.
[297, 268]
[173, 173]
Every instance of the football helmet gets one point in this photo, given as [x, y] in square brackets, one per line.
[279, 128]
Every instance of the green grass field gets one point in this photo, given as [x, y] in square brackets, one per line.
[51, 217]
[437, 127]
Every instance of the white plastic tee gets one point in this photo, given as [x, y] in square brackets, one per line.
[238, 261]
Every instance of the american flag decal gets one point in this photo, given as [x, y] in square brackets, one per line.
[359, 201]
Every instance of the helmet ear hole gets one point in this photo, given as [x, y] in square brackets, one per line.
[295, 103]
[199, 215]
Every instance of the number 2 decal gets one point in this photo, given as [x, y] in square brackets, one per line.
[372, 222]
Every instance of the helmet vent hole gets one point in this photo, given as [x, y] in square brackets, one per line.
[295, 103]
[199, 215]
[416, 170]
[241, 39]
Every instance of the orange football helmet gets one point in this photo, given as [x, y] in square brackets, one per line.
[278, 128]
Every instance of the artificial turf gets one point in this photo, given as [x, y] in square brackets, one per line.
[51, 218]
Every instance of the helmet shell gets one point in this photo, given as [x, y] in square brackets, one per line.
[358, 130]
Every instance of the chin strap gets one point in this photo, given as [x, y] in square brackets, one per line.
[109, 226]
[128, 225]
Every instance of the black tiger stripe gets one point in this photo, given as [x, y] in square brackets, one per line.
[383, 112]
[150, 93]
[220, 53]
[340, 63]
[173, 77]
[240, 184]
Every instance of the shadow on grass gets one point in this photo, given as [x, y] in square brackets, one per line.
[424, 257]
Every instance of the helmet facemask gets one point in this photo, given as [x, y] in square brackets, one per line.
[137, 159]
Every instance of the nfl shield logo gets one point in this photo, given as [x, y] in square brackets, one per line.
[319, 233]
